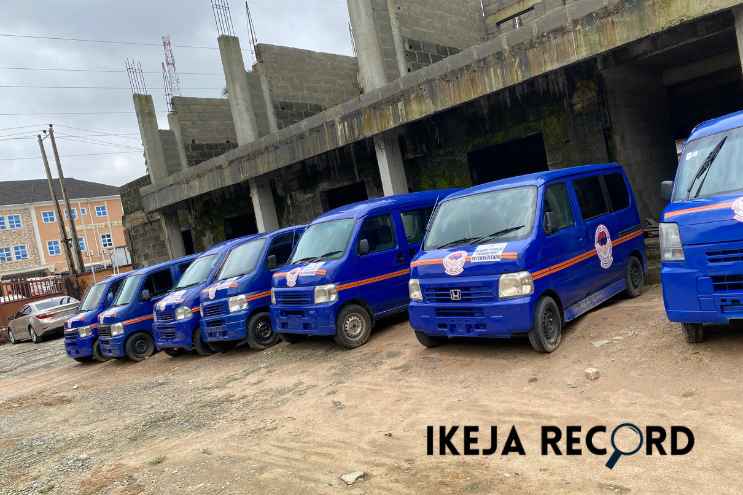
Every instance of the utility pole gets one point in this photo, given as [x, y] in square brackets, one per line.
[60, 219]
[73, 230]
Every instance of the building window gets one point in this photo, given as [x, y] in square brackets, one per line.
[53, 248]
[21, 252]
[101, 211]
[107, 241]
[83, 212]
[5, 255]
[74, 214]
[47, 217]
[83, 244]
[2, 223]
[14, 222]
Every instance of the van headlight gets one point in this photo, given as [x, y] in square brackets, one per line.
[183, 313]
[414, 289]
[84, 332]
[515, 285]
[326, 294]
[117, 329]
[671, 248]
[238, 303]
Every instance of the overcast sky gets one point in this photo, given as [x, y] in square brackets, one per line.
[312, 24]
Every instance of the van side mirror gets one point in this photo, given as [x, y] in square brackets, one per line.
[364, 247]
[146, 296]
[110, 297]
[666, 190]
[549, 222]
[273, 262]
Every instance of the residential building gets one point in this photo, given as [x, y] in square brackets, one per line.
[30, 240]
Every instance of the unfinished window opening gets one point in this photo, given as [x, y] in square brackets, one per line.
[345, 195]
[240, 226]
[188, 245]
[509, 159]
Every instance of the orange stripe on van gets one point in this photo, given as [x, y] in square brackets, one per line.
[373, 280]
[259, 295]
[718, 206]
[139, 319]
[437, 261]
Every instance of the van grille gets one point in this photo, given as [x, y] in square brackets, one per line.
[215, 309]
[166, 316]
[104, 330]
[724, 256]
[727, 283]
[470, 294]
[294, 297]
[71, 337]
[167, 333]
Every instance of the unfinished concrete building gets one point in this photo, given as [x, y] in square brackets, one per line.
[523, 86]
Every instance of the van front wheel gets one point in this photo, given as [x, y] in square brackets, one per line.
[97, 355]
[428, 341]
[635, 277]
[694, 333]
[353, 327]
[139, 347]
[546, 335]
[260, 334]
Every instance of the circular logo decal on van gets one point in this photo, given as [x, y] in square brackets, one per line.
[292, 276]
[454, 263]
[212, 292]
[604, 247]
[738, 209]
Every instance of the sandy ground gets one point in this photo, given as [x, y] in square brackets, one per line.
[296, 417]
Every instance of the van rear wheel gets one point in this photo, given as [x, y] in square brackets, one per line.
[546, 335]
[140, 346]
[97, 355]
[694, 333]
[353, 327]
[260, 332]
[635, 277]
[428, 341]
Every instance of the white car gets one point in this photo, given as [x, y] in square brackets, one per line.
[38, 319]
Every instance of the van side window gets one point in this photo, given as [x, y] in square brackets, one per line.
[618, 194]
[282, 247]
[591, 197]
[159, 283]
[379, 232]
[184, 266]
[415, 223]
[557, 202]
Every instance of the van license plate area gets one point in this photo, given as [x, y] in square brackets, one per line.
[462, 326]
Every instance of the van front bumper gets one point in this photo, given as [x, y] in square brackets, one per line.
[500, 320]
[79, 347]
[175, 334]
[691, 296]
[227, 328]
[304, 320]
[113, 347]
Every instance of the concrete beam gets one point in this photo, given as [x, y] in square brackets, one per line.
[461, 78]
[238, 90]
[263, 205]
[157, 165]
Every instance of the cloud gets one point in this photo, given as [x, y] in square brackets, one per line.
[311, 24]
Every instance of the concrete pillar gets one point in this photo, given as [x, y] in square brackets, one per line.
[738, 13]
[173, 235]
[144, 106]
[238, 90]
[175, 126]
[391, 164]
[265, 210]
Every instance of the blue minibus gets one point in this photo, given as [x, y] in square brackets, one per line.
[351, 268]
[526, 254]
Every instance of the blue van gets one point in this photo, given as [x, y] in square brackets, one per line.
[702, 231]
[81, 331]
[525, 254]
[234, 309]
[125, 330]
[177, 326]
[351, 268]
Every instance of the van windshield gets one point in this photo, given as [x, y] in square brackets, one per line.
[93, 297]
[128, 291]
[710, 166]
[242, 260]
[503, 215]
[198, 272]
[324, 241]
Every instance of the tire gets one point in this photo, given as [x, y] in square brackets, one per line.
[173, 352]
[140, 346]
[694, 333]
[546, 335]
[35, 337]
[292, 338]
[11, 337]
[260, 334]
[635, 277]
[97, 355]
[200, 347]
[222, 347]
[353, 327]
[83, 360]
[428, 341]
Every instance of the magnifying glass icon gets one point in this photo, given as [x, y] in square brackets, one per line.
[618, 453]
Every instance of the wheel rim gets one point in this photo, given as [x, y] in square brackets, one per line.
[550, 325]
[34, 335]
[263, 331]
[11, 337]
[141, 346]
[353, 326]
[635, 274]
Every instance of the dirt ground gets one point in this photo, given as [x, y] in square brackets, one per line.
[296, 417]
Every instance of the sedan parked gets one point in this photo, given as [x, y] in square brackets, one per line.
[38, 319]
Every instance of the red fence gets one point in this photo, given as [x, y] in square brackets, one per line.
[14, 290]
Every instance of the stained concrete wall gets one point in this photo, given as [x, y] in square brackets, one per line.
[143, 232]
[263, 117]
[302, 83]
[170, 146]
[203, 127]
[499, 14]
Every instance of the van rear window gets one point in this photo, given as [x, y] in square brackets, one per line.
[591, 197]
[617, 192]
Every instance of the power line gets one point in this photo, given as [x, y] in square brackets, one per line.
[107, 71]
[68, 156]
[103, 42]
[116, 88]
[63, 113]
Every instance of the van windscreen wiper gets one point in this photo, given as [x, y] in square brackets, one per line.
[495, 235]
[704, 169]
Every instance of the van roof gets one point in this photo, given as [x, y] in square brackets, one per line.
[537, 179]
[379, 205]
[160, 266]
[217, 248]
[717, 125]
